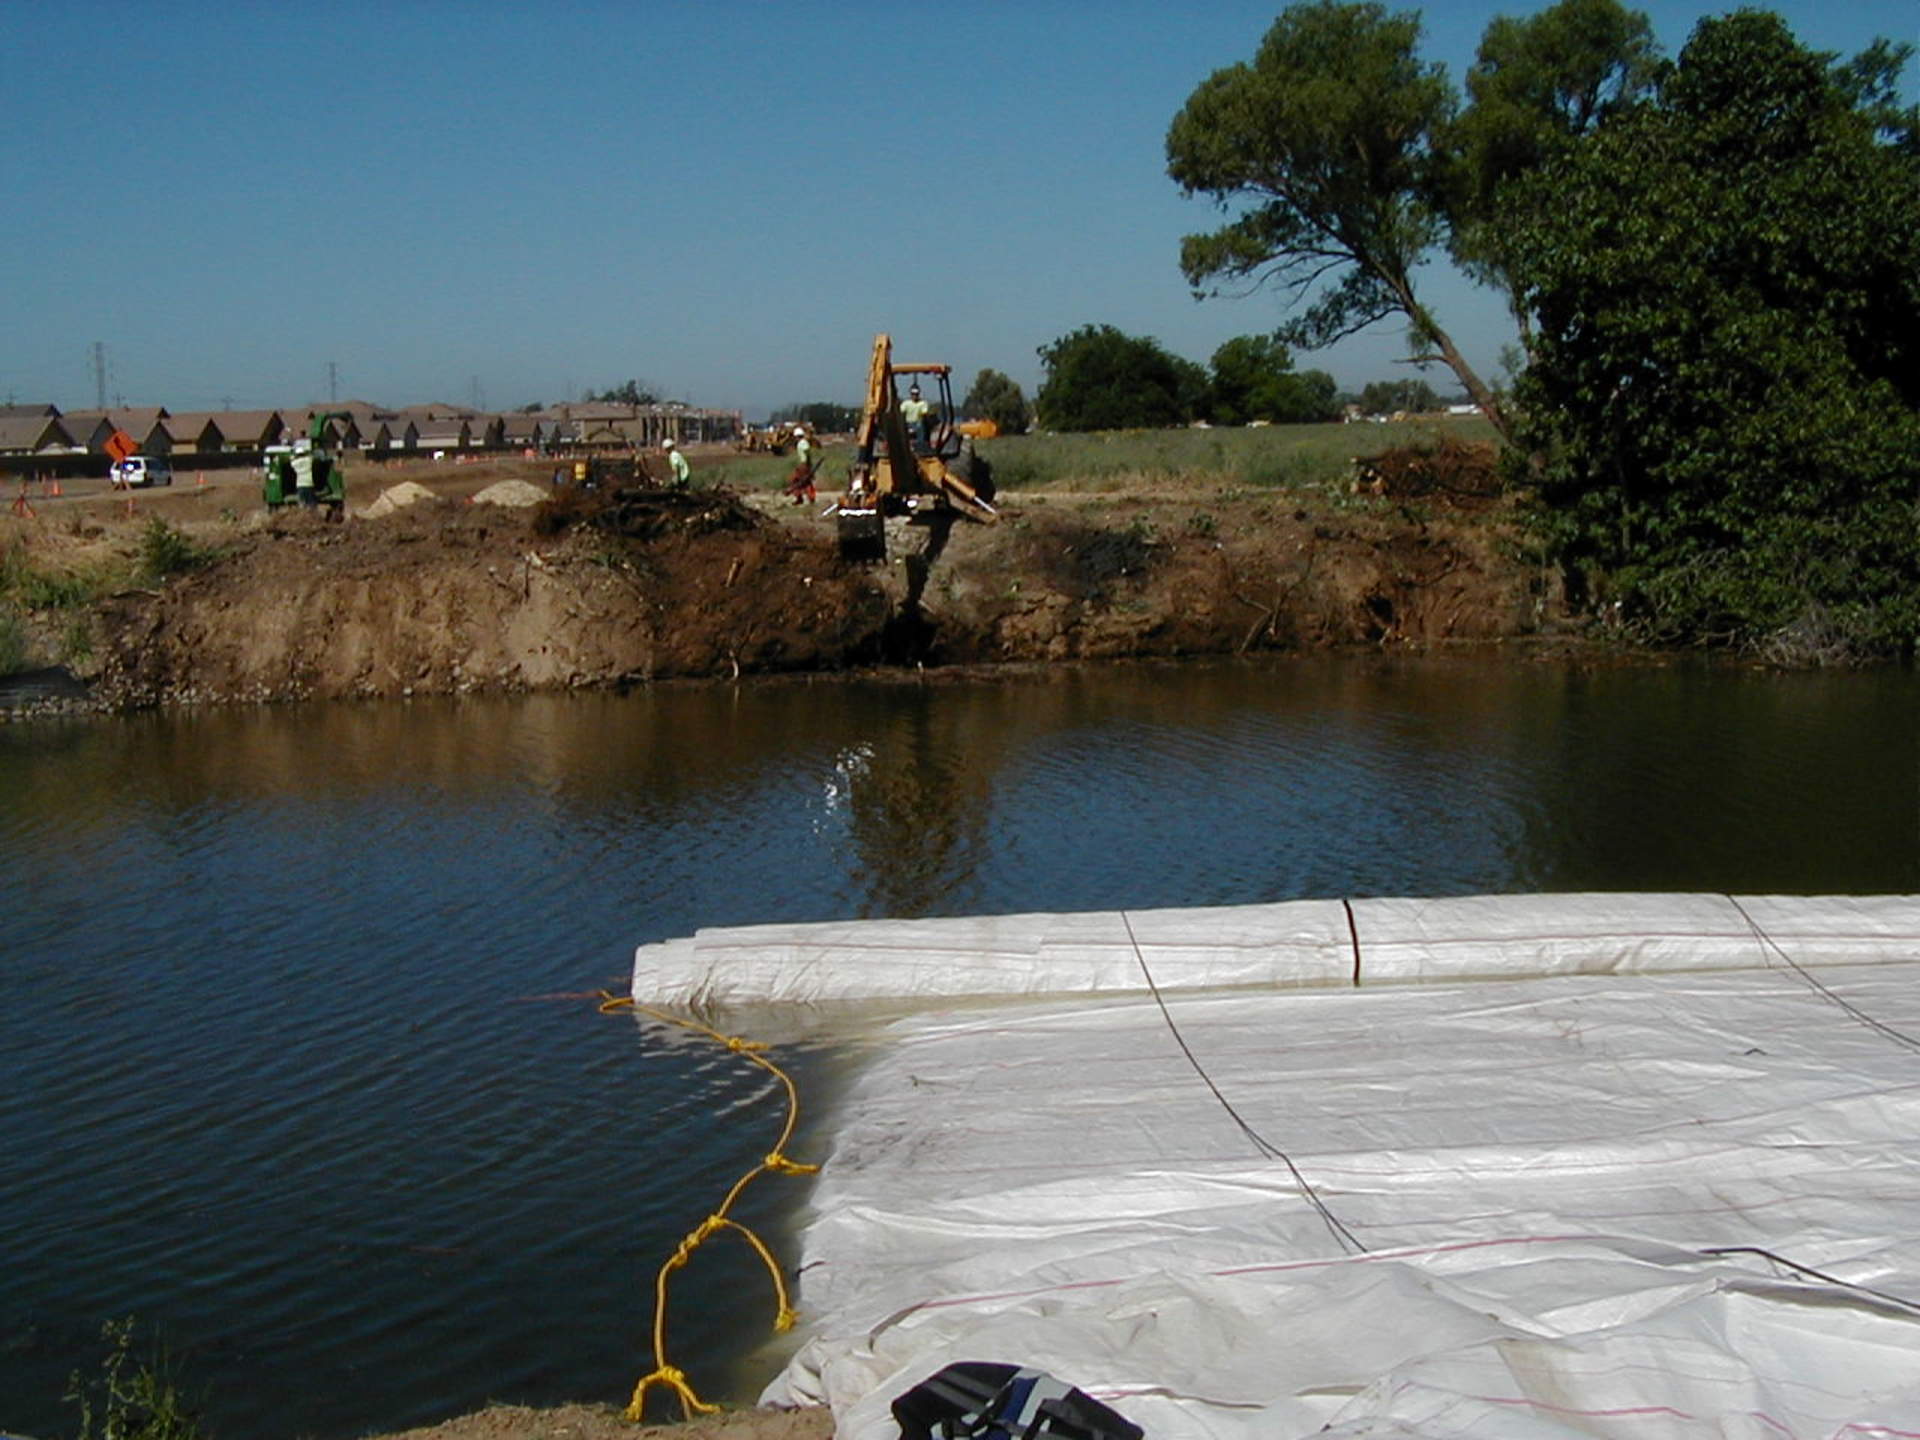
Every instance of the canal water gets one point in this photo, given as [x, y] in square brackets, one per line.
[301, 1067]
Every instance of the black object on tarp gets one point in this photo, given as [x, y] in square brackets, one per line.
[981, 1400]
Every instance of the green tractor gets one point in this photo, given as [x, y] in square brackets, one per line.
[307, 472]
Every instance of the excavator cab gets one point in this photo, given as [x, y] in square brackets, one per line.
[909, 458]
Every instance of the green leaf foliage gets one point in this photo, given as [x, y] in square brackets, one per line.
[1537, 85]
[1726, 285]
[1327, 149]
[1389, 397]
[1254, 379]
[998, 398]
[1326, 138]
[1099, 378]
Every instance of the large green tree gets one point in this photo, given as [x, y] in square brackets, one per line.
[1725, 387]
[1330, 144]
[1538, 85]
[1254, 379]
[1100, 378]
[1388, 397]
[998, 398]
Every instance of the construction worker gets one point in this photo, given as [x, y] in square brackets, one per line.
[682, 471]
[917, 413]
[800, 484]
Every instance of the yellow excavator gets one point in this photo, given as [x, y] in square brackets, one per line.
[910, 459]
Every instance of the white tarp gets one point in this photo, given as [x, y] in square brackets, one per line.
[1513, 1185]
[1291, 943]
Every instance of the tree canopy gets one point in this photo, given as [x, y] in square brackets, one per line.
[1387, 397]
[1725, 384]
[1331, 141]
[998, 398]
[1254, 379]
[1538, 84]
[1100, 378]
[631, 393]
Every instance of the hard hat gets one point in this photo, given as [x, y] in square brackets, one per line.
[913, 389]
[799, 429]
[666, 444]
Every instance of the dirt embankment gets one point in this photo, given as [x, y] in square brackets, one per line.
[448, 596]
[598, 1422]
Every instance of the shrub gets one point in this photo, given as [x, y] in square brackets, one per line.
[165, 551]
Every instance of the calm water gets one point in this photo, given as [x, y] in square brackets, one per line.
[284, 1073]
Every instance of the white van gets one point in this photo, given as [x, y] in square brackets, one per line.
[138, 470]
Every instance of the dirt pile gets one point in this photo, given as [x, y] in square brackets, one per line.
[397, 497]
[442, 597]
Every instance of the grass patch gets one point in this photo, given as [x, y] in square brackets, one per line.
[1292, 457]
[132, 1397]
[30, 587]
[747, 473]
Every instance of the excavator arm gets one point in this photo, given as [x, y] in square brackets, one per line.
[893, 477]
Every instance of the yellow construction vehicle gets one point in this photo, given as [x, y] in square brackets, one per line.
[909, 460]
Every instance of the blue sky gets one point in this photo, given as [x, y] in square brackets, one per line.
[517, 203]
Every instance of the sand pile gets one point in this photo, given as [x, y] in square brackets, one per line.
[510, 492]
[397, 498]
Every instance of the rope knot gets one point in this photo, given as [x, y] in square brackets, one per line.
[780, 1164]
[674, 1380]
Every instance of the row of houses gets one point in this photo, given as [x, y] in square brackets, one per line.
[43, 431]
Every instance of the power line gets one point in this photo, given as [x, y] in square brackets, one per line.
[1769, 943]
[1343, 1236]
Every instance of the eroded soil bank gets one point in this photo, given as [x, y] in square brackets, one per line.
[450, 596]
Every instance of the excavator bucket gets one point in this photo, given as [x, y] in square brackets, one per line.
[863, 534]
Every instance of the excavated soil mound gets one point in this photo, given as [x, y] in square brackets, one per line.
[517, 493]
[612, 586]
[449, 599]
[397, 497]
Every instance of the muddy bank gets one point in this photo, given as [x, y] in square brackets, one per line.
[604, 1422]
[445, 596]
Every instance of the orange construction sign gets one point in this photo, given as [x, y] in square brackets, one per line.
[120, 445]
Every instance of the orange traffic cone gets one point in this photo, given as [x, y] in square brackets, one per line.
[56, 489]
[199, 479]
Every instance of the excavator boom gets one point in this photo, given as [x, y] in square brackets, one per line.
[934, 475]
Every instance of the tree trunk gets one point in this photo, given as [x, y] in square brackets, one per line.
[1425, 327]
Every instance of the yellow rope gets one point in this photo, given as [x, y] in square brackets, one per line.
[775, 1162]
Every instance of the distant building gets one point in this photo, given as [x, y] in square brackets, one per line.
[90, 429]
[193, 432]
[37, 434]
[249, 430]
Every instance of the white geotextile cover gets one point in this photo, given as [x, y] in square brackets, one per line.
[1534, 1168]
[1290, 943]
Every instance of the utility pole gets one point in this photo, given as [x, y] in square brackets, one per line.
[333, 382]
[99, 375]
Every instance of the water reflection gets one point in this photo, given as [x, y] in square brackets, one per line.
[280, 1084]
